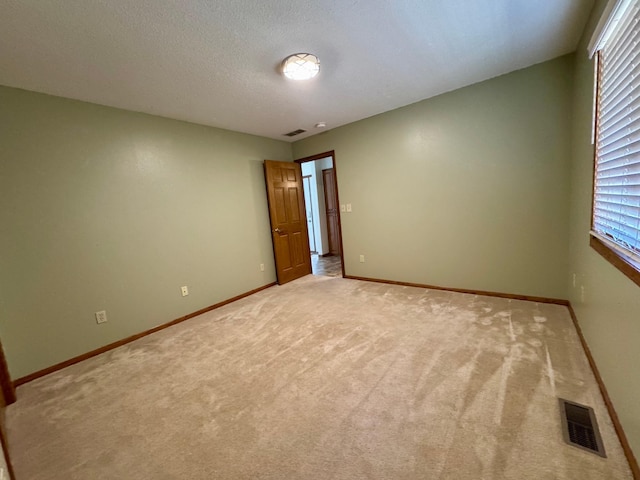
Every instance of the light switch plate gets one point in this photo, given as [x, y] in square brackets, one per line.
[101, 316]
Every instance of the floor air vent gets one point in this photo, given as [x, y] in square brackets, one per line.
[580, 428]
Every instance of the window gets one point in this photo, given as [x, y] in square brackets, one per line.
[616, 198]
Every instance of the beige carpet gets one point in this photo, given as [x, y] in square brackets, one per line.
[324, 378]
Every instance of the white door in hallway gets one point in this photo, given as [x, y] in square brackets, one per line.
[308, 201]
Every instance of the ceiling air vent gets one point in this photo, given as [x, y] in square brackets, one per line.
[294, 133]
[580, 428]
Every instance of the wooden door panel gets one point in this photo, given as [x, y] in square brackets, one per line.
[298, 249]
[281, 205]
[294, 201]
[288, 220]
[284, 250]
[334, 237]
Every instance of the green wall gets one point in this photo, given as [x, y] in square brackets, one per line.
[104, 209]
[469, 189]
[610, 313]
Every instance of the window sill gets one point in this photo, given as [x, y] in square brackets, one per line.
[625, 265]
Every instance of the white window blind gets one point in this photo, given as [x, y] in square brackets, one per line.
[616, 207]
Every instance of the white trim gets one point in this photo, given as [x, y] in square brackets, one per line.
[611, 15]
[634, 257]
[594, 105]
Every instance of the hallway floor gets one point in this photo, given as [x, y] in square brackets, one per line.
[330, 266]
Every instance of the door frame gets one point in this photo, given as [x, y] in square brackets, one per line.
[320, 156]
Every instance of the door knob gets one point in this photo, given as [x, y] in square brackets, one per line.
[277, 230]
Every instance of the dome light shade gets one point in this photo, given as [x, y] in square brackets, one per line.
[301, 66]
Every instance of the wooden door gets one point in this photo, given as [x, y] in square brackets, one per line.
[288, 220]
[331, 206]
[7, 397]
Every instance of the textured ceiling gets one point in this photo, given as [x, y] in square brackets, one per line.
[215, 62]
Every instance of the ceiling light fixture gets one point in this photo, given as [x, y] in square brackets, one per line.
[301, 66]
[321, 125]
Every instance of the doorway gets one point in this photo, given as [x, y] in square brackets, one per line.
[323, 214]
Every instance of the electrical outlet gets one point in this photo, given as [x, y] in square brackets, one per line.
[343, 208]
[101, 316]
[262, 267]
[361, 258]
[184, 290]
[574, 280]
[348, 207]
